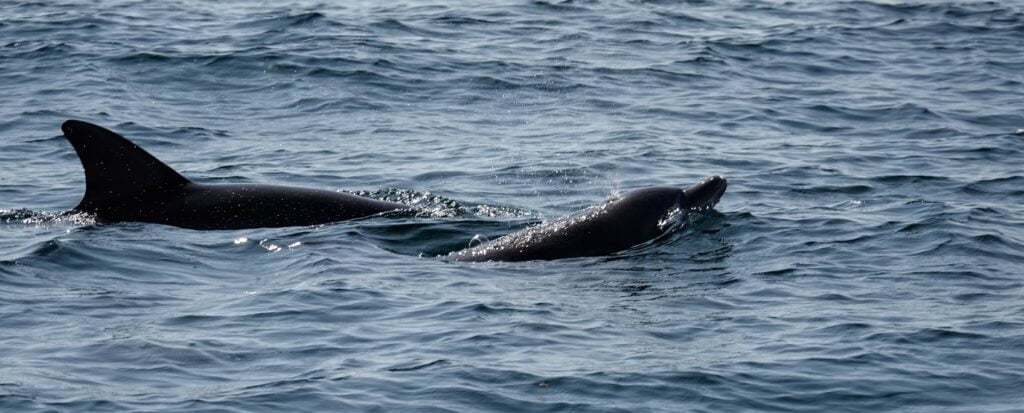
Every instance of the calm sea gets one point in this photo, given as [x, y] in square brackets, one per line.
[868, 256]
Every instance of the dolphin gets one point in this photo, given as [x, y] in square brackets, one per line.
[125, 183]
[616, 225]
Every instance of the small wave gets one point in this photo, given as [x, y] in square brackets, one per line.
[562, 6]
[396, 25]
[461, 21]
[912, 179]
[1009, 186]
[30, 217]
[430, 205]
[417, 366]
[902, 112]
[292, 20]
[931, 336]
[833, 189]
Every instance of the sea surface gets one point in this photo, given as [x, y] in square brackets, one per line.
[868, 255]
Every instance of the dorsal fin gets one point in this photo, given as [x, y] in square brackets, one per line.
[119, 175]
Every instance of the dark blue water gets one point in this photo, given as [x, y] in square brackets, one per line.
[868, 256]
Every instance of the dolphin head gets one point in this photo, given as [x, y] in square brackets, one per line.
[705, 194]
[702, 195]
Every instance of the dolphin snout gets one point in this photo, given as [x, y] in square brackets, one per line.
[706, 193]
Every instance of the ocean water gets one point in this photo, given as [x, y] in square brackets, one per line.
[868, 255]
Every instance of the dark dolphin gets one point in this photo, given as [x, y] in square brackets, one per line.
[125, 183]
[619, 224]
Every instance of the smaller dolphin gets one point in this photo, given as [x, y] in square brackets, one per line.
[616, 225]
[125, 183]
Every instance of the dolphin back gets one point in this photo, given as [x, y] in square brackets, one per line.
[605, 229]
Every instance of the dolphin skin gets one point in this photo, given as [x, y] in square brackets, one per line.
[125, 183]
[617, 225]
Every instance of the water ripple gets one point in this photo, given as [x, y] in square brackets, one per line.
[866, 257]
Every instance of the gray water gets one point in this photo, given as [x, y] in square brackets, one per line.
[868, 255]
